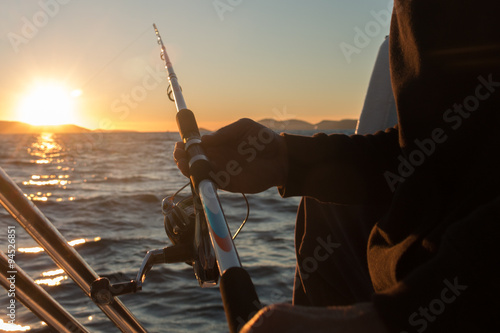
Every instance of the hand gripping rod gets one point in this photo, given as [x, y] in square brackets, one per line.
[237, 290]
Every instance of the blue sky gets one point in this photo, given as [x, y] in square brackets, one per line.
[280, 59]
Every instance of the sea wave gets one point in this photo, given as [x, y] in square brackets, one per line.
[113, 193]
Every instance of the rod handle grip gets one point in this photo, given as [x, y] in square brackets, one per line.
[240, 300]
[186, 122]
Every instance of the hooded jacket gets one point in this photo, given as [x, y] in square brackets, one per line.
[433, 257]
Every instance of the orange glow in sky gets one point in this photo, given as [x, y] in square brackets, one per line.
[96, 64]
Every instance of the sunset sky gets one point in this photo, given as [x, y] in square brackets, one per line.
[96, 63]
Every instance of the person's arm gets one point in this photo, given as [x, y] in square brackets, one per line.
[248, 157]
[343, 169]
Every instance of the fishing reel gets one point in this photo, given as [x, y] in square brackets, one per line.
[185, 225]
[187, 229]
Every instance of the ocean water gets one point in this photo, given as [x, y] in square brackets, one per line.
[104, 192]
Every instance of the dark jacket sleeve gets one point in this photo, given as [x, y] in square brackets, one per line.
[458, 290]
[340, 168]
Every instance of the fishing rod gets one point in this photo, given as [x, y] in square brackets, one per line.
[237, 290]
[197, 227]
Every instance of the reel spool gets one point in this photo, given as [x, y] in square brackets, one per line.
[179, 219]
[184, 224]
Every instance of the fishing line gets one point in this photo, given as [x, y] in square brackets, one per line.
[246, 217]
[178, 191]
[242, 223]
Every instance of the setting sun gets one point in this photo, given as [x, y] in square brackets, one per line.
[48, 104]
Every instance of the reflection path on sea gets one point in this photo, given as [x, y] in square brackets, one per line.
[47, 151]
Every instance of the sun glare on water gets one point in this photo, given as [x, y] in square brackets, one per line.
[49, 104]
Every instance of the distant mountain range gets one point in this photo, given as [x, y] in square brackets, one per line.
[16, 127]
[300, 125]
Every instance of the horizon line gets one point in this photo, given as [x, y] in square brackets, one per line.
[80, 129]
